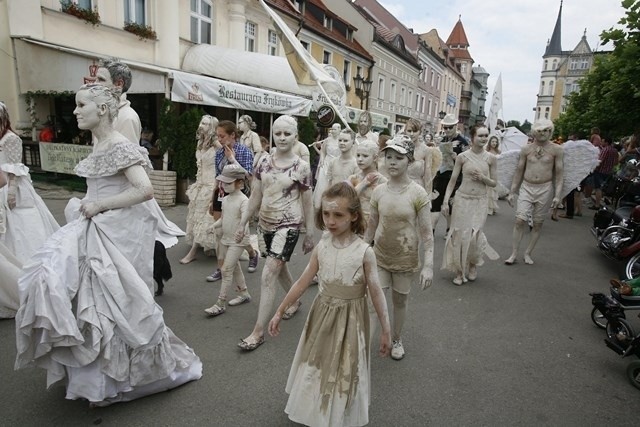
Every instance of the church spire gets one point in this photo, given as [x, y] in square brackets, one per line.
[554, 47]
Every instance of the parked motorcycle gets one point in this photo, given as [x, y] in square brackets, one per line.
[617, 228]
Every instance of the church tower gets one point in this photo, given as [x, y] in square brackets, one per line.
[561, 73]
[551, 61]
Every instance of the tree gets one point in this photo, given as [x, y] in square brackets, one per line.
[609, 95]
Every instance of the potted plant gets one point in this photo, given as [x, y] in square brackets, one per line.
[141, 30]
[177, 134]
[91, 16]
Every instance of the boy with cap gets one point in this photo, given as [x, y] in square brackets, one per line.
[399, 221]
[233, 206]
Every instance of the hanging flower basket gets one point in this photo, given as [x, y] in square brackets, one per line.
[140, 30]
[91, 16]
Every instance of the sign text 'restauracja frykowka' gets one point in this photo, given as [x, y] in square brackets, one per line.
[254, 98]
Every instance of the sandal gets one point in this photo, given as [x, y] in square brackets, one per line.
[240, 299]
[288, 314]
[215, 310]
[246, 346]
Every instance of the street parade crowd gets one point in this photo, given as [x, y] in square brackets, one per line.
[82, 294]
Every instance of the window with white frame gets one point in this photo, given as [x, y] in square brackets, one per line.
[328, 22]
[83, 4]
[433, 75]
[551, 88]
[417, 107]
[250, 36]
[272, 43]
[403, 93]
[305, 45]
[546, 112]
[359, 71]
[392, 95]
[430, 106]
[438, 82]
[555, 64]
[584, 63]
[346, 72]
[542, 88]
[135, 11]
[381, 87]
[201, 21]
[326, 57]
[574, 64]
[409, 97]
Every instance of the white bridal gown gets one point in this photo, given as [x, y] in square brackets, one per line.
[86, 313]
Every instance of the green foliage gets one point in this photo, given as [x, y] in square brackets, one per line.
[140, 30]
[91, 16]
[307, 133]
[177, 136]
[609, 95]
[30, 99]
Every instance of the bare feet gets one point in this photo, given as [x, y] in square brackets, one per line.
[527, 259]
[473, 273]
[511, 260]
[187, 259]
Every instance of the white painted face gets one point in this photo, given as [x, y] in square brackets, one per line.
[345, 142]
[243, 126]
[412, 133]
[204, 127]
[87, 111]
[363, 125]
[542, 134]
[103, 77]
[450, 130]
[284, 135]
[228, 187]
[481, 137]
[396, 163]
[428, 138]
[364, 158]
[336, 216]
[335, 130]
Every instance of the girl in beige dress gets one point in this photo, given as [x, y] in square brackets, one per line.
[329, 381]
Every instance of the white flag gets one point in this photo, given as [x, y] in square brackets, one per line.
[305, 68]
[496, 106]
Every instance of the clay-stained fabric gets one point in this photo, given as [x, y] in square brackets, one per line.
[330, 377]
[199, 221]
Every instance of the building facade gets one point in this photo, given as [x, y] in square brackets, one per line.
[561, 73]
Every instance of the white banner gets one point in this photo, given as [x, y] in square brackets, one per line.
[62, 158]
[203, 90]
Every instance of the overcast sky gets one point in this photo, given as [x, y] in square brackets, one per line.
[510, 36]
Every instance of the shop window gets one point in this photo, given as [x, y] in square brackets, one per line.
[250, 36]
[135, 11]
[201, 21]
[272, 46]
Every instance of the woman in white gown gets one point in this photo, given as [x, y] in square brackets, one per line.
[199, 220]
[25, 221]
[86, 311]
[9, 272]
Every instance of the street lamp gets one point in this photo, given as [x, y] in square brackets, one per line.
[441, 114]
[363, 88]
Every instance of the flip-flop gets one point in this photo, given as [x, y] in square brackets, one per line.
[289, 314]
[250, 346]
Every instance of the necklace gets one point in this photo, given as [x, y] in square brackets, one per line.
[539, 152]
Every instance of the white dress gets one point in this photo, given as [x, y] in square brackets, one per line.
[199, 221]
[466, 243]
[332, 151]
[86, 314]
[329, 380]
[29, 223]
[9, 272]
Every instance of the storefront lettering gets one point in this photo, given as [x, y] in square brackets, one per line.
[238, 95]
[62, 158]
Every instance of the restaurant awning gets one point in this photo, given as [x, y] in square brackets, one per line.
[50, 67]
[196, 89]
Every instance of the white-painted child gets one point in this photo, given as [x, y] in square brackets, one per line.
[335, 341]
[233, 206]
[400, 225]
[368, 177]
[342, 167]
